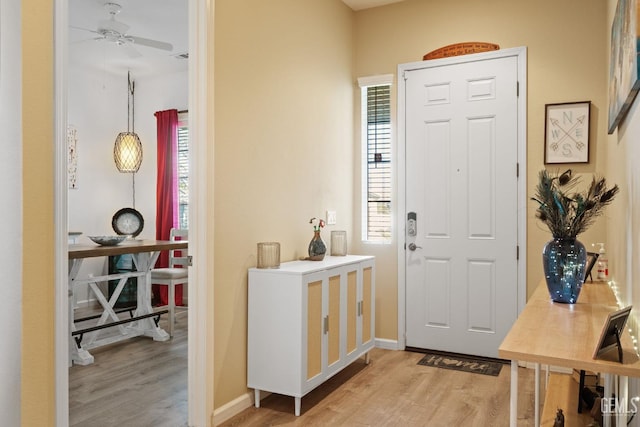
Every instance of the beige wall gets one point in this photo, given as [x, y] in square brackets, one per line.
[566, 62]
[38, 307]
[284, 149]
[285, 82]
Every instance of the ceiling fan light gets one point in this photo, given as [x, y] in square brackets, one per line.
[127, 152]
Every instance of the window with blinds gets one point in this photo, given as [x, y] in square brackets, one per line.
[376, 130]
[183, 174]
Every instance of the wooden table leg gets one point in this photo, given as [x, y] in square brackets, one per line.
[513, 404]
[77, 354]
[145, 261]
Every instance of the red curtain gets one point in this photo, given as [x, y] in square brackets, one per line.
[166, 189]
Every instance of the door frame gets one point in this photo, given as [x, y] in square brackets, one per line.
[200, 313]
[521, 55]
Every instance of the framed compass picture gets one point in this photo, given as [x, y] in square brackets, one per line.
[566, 132]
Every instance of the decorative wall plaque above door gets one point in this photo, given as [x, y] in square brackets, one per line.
[458, 49]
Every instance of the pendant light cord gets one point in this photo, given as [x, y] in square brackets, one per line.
[134, 189]
[131, 107]
[129, 101]
[131, 104]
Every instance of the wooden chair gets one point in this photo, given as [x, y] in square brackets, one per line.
[175, 274]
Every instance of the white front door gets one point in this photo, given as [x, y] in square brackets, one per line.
[461, 183]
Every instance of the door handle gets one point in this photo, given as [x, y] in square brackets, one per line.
[413, 247]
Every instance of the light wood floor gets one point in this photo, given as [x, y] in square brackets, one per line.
[134, 383]
[394, 391]
[140, 383]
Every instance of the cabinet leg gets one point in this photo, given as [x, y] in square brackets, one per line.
[256, 397]
[367, 359]
[298, 405]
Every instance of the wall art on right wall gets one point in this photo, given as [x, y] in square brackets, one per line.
[623, 70]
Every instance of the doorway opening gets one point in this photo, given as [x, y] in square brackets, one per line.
[200, 14]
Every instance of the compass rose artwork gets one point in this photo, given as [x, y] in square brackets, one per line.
[566, 133]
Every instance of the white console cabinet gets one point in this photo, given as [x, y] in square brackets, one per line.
[307, 321]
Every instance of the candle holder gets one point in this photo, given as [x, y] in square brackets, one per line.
[269, 255]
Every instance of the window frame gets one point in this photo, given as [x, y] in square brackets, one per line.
[364, 83]
[183, 122]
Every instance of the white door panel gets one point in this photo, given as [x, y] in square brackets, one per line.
[461, 159]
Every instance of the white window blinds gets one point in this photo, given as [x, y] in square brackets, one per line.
[183, 174]
[376, 130]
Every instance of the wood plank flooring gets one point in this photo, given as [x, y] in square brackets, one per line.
[134, 383]
[394, 391]
[142, 383]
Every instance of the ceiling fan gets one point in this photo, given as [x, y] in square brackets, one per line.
[115, 32]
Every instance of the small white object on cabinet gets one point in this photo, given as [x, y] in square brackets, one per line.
[307, 321]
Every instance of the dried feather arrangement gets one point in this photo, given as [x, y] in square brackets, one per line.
[566, 212]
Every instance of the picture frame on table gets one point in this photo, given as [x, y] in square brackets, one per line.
[611, 333]
[566, 132]
[592, 257]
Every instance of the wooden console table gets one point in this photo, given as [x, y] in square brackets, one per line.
[566, 335]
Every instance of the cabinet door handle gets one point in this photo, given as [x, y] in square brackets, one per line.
[326, 324]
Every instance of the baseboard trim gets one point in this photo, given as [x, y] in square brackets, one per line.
[237, 405]
[386, 344]
[232, 408]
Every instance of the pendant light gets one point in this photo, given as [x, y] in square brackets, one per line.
[127, 151]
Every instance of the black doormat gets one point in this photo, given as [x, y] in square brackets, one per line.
[458, 362]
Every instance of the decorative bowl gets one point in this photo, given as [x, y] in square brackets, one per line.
[107, 240]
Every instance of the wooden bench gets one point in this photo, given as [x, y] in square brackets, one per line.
[562, 393]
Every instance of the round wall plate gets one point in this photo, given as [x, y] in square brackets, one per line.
[127, 221]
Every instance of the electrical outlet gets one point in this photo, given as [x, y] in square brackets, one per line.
[331, 217]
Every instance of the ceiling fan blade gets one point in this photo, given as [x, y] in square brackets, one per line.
[130, 51]
[151, 43]
[113, 26]
[92, 39]
[83, 29]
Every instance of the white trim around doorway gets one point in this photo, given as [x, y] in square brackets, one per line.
[521, 54]
[200, 341]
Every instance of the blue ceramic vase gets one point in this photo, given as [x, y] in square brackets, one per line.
[564, 261]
